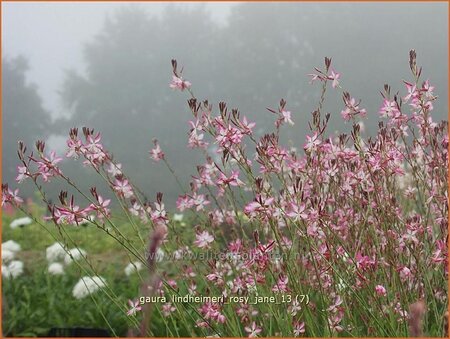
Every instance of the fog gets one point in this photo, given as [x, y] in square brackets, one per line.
[50, 36]
[107, 66]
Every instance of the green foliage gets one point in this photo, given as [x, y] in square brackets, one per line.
[38, 302]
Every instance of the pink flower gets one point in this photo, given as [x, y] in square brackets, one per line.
[71, 214]
[135, 307]
[297, 211]
[203, 239]
[184, 202]
[212, 311]
[15, 196]
[336, 306]
[172, 283]
[93, 144]
[334, 321]
[196, 136]
[312, 142]
[8, 196]
[335, 77]
[114, 169]
[315, 77]
[286, 117]
[179, 83]
[156, 153]
[48, 168]
[252, 208]
[253, 330]
[167, 309]
[281, 285]
[260, 204]
[412, 91]
[405, 273]
[53, 160]
[389, 109]
[74, 147]
[22, 174]
[199, 201]
[363, 262]
[93, 150]
[233, 180]
[159, 214]
[381, 291]
[351, 108]
[428, 89]
[346, 114]
[439, 255]
[201, 324]
[235, 246]
[135, 209]
[246, 126]
[227, 136]
[294, 308]
[102, 207]
[299, 328]
[123, 188]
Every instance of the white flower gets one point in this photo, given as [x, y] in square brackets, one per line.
[7, 256]
[55, 252]
[178, 217]
[13, 270]
[11, 245]
[133, 267]
[77, 253]
[20, 222]
[87, 285]
[56, 268]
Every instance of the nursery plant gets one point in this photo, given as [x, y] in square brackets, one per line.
[344, 235]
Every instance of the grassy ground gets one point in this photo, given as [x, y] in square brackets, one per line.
[36, 301]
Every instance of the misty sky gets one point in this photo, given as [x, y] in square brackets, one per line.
[51, 36]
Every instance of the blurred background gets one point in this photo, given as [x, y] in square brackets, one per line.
[107, 66]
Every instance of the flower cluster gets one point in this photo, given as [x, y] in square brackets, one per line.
[345, 207]
[88, 285]
[11, 268]
[349, 221]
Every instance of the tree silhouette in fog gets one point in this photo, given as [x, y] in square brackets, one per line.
[125, 94]
[24, 118]
[261, 55]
